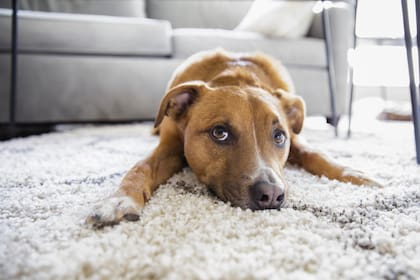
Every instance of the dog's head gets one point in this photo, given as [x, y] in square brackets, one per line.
[236, 140]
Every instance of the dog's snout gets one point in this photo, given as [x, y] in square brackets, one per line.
[266, 196]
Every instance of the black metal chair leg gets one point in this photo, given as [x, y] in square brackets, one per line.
[350, 109]
[13, 70]
[413, 88]
[351, 72]
[415, 105]
[330, 66]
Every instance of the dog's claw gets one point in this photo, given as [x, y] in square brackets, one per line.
[112, 211]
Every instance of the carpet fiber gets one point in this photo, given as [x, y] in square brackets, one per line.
[329, 230]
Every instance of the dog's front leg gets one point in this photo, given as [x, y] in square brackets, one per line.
[139, 183]
[320, 164]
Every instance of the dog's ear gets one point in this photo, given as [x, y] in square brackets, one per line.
[177, 100]
[294, 107]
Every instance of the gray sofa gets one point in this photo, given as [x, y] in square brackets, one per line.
[114, 66]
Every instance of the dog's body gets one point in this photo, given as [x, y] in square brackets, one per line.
[234, 120]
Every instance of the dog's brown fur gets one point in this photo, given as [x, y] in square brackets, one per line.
[250, 95]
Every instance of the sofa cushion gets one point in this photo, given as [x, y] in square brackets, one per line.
[225, 14]
[87, 34]
[300, 51]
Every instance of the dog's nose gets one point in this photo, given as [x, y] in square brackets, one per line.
[266, 195]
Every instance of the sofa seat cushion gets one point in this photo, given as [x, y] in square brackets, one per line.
[299, 51]
[87, 34]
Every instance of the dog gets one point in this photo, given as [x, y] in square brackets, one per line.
[235, 120]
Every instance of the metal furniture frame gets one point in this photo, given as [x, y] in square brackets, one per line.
[414, 88]
[350, 79]
[13, 69]
[330, 66]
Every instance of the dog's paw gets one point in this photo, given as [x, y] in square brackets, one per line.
[113, 210]
[358, 178]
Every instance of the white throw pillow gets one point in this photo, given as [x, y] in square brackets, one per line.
[273, 18]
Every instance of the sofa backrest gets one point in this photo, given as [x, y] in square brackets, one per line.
[123, 8]
[225, 14]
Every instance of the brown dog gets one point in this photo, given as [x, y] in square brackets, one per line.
[234, 120]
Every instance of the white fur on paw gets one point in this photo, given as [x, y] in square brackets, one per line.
[112, 210]
[359, 178]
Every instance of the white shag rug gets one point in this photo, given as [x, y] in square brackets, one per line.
[330, 230]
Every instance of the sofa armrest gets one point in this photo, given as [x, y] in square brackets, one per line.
[342, 20]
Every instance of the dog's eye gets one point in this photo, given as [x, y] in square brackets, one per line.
[279, 137]
[219, 133]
